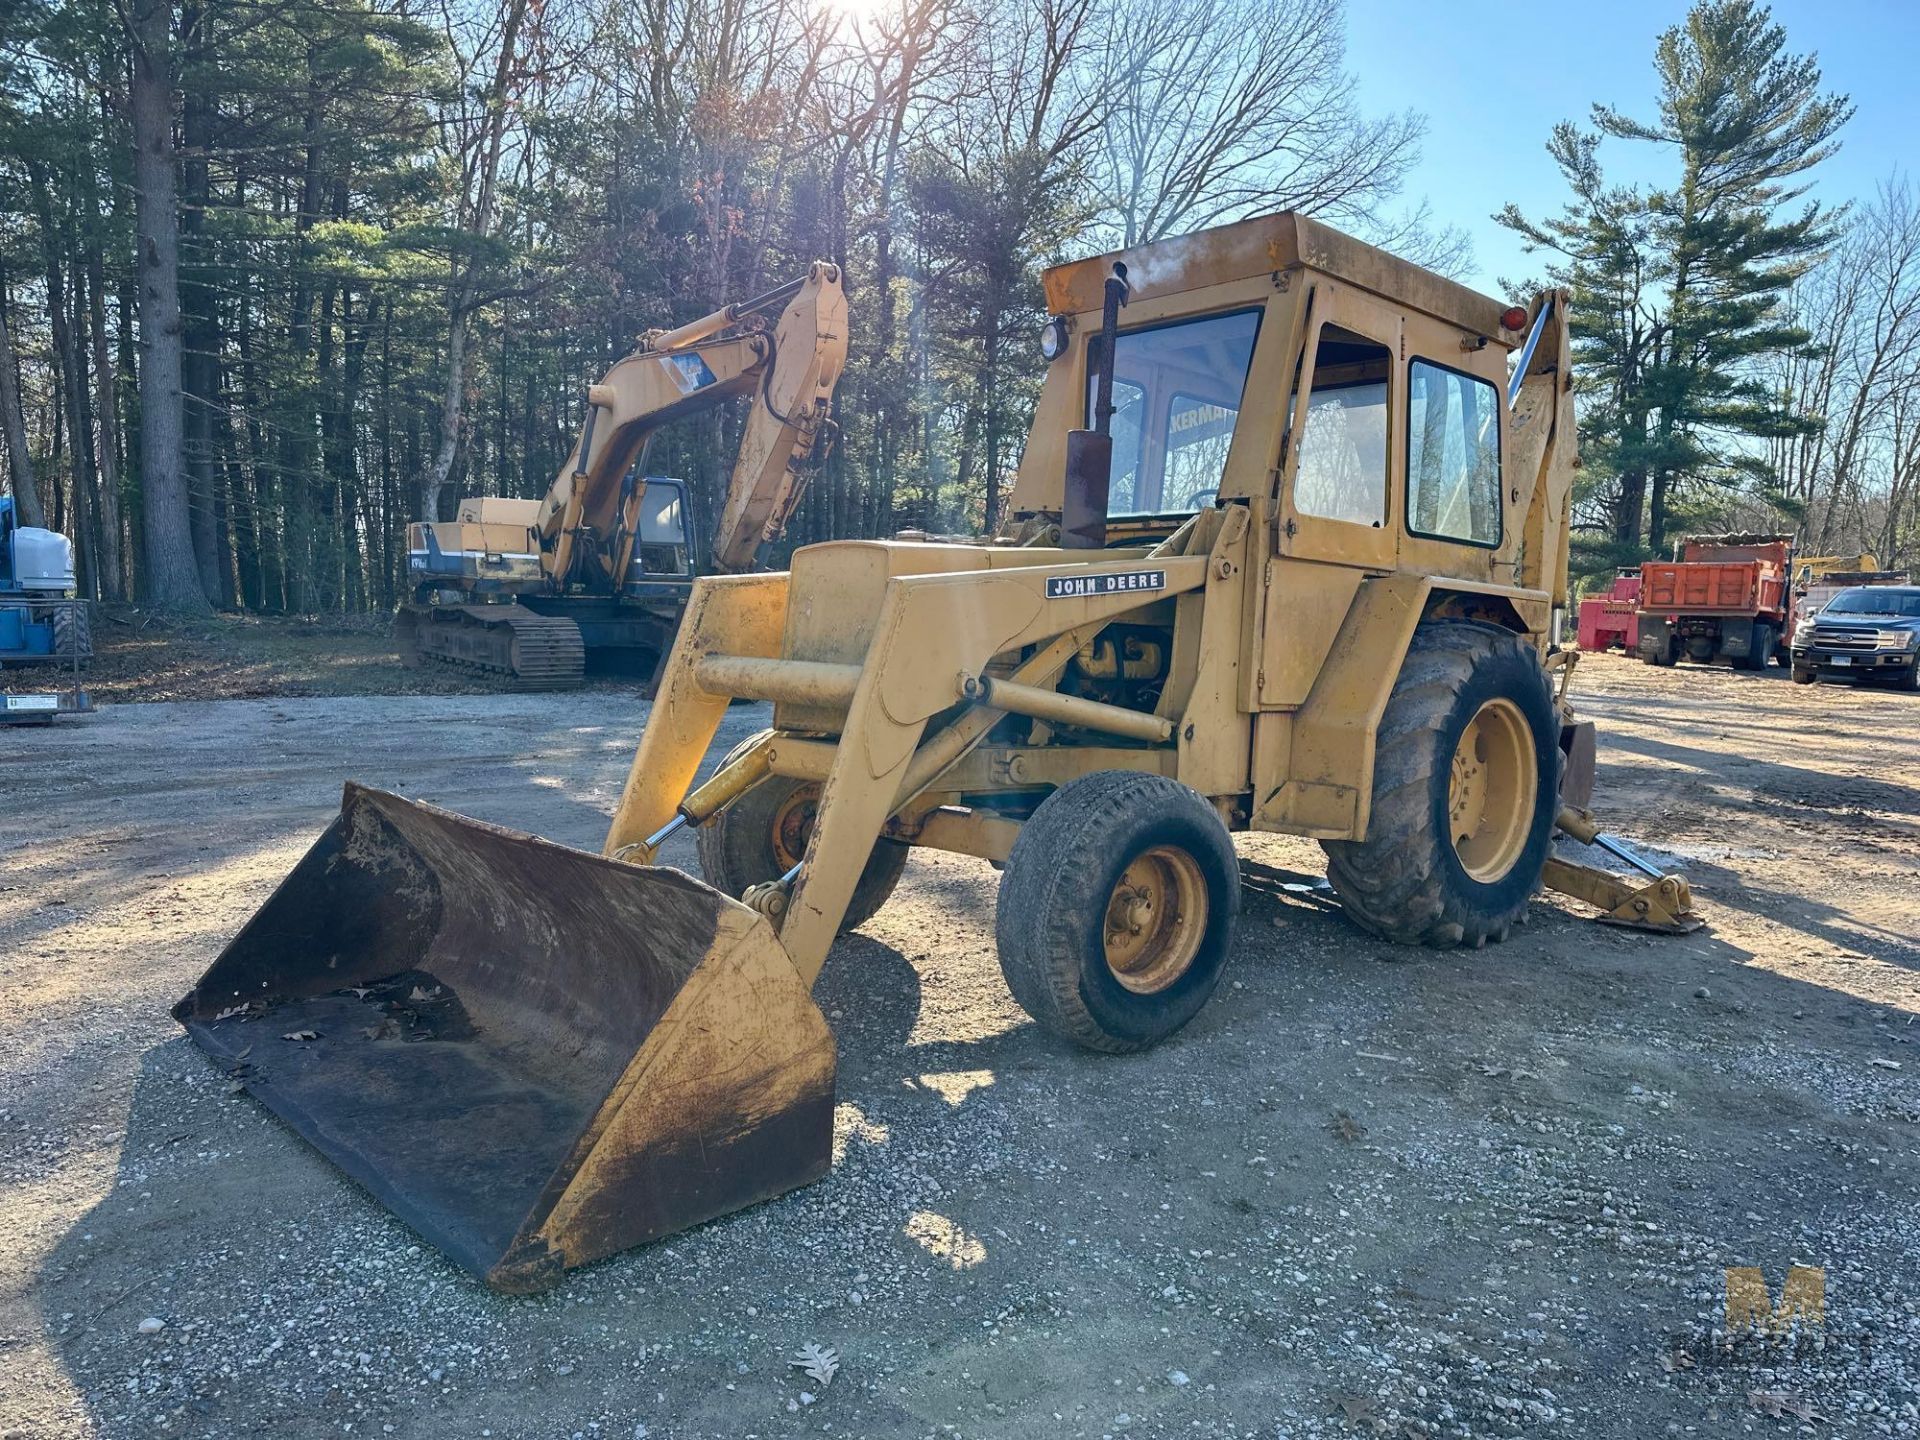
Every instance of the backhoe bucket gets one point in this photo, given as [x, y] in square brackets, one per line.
[534, 1056]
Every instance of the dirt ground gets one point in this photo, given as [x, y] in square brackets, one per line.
[141, 655]
[1368, 1192]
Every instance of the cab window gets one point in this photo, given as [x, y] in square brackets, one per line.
[1453, 455]
[660, 518]
[1177, 392]
[1342, 471]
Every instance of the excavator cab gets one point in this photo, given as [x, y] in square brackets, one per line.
[1285, 553]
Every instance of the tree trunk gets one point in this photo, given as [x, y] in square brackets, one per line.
[62, 309]
[113, 565]
[200, 336]
[1662, 495]
[173, 579]
[13, 423]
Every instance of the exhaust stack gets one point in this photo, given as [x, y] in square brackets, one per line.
[1083, 505]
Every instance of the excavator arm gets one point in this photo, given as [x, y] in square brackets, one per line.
[588, 519]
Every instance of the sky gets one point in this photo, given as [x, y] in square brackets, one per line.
[1493, 76]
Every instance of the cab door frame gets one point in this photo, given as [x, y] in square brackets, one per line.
[1304, 536]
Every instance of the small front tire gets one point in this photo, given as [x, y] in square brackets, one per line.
[1117, 908]
[764, 834]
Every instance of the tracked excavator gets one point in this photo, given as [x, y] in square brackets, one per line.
[520, 590]
[1286, 552]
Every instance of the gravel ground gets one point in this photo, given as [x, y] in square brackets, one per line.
[1369, 1192]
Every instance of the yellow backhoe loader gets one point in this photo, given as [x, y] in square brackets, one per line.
[520, 590]
[1285, 553]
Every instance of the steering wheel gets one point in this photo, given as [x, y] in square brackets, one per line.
[1204, 497]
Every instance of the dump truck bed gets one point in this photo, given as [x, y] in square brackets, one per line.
[1731, 587]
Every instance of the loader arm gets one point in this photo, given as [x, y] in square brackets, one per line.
[587, 522]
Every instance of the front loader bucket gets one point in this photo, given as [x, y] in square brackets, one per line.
[534, 1056]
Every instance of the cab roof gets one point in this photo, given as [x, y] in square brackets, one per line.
[1269, 244]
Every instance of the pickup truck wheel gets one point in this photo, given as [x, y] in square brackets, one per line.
[1908, 679]
[1117, 908]
[1803, 675]
[764, 834]
[1465, 786]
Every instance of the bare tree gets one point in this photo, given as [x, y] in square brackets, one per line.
[1222, 108]
[13, 425]
[480, 144]
[1851, 477]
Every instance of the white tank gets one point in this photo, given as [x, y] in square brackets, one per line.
[42, 560]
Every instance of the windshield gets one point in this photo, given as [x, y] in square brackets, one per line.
[660, 515]
[1876, 600]
[1177, 391]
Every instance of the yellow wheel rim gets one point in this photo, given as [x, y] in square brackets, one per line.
[793, 825]
[1491, 791]
[1155, 920]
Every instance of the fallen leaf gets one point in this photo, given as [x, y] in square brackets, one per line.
[1355, 1407]
[1782, 1405]
[359, 992]
[1345, 1127]
[818, 1361]
[301, 1035]
[421, 994]
[1884, 1064]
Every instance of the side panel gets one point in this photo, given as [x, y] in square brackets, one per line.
[1314, 772]
[1215, 735]
[1306, 604]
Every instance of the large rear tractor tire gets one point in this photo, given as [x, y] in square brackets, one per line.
[763, 834]
[1465, 788]
[1117, 909]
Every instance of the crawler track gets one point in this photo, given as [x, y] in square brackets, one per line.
[509, 643]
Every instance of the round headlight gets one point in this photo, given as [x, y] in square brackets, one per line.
[1053, 338]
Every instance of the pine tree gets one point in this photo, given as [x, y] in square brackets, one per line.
[1687, 282]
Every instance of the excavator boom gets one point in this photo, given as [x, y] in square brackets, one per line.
[576, 545]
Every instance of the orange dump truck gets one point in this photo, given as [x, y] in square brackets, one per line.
[1722, 597]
